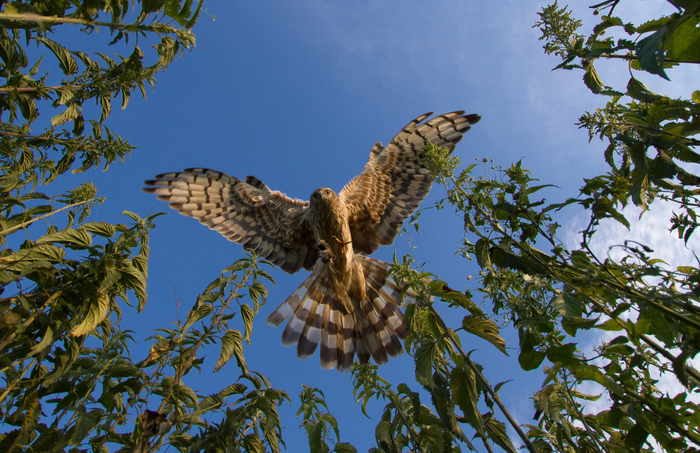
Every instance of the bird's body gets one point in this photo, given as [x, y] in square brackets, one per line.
[348, 304]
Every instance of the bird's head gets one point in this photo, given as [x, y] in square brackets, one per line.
[323, 195]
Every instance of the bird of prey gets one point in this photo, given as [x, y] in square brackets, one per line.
[348, 304]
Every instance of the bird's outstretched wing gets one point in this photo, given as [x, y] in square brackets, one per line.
[247, 212]
[395, 179]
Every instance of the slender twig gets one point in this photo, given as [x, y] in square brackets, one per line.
[54, 20]
[31, 137]
[634, 58]
[693, 142]
[28, 89]
[28, 222]
[16, 381]
[581, 417]
[409, 427]
[486, 444]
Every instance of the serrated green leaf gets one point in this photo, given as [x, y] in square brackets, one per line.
[415, 399]
[197, 312]
[619, 349]
[134, 280]
[70, 237]
[69, 114]
[592, 373]
[635, 438]
[639, 91]
[28, 107]
[84, 425]
[46, 341]
[684, 44]
[425, 355]
[99, 308]
[464, 392]
[563, 354]
[257, 293]
[529, 358]
[383, 432]
[497, 433]
[132, 216]
[344, 447]
[315, 433]
[652, 25]
[650, 53]
[65, 60]
[17, 261]
[103, 229]
[593, 81]
[438, 288]
[687, 270]
[695, 96]
[193, 20]
[35, 69]
[233, 389]
[231, 346]
[482, 252]
[248, 316]
[486, 329]
[497, 387]
[106, 108]
[568, 305]
[252, 444]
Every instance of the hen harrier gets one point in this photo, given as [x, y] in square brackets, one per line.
[347, 304]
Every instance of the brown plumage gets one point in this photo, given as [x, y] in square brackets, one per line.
[347, 304]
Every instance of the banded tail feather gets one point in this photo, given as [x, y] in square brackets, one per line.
[368, 328]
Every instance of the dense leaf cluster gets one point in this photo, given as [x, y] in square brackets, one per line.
[68, 378]
[651, 137]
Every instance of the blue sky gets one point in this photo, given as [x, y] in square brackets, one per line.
[296, 93]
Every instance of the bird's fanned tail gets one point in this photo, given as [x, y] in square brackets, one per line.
[372, 327]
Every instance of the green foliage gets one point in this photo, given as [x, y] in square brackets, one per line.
[68, 379]
[38, 158]
[318, 422]
[552, 296]
[650, 136]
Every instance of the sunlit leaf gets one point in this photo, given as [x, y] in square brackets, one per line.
[486, 329]
[248, 316]
[231, 346]
[424, 363]
[99, 308]
[463, 387]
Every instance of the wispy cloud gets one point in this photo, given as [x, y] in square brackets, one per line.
[651, 229]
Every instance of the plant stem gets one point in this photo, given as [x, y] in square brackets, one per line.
[28, 89]
[408, 426]
[28, 222]
[484, 382]
[55, 20]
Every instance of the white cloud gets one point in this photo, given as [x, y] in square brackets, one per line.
[652, 230]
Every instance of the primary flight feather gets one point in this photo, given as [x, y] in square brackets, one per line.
[348, 304]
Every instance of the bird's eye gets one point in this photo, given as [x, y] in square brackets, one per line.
[327, 192]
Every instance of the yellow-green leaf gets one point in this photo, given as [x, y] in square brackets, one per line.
[486, 329]
[463, 388]
[231, 346]
[99, 308]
